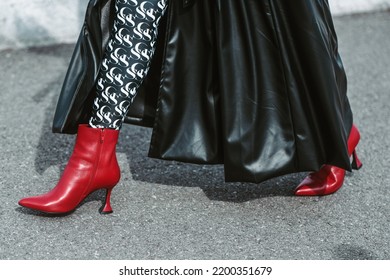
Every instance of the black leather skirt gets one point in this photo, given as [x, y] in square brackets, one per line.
[258, 86]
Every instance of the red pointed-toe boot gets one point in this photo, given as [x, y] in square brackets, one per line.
[329, 179]
[93, 165]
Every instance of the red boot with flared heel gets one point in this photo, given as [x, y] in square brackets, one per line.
[93, 165]
[329, 179]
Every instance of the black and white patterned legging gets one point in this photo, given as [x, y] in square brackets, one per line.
[126, 60]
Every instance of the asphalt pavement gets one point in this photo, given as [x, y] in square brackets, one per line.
[169, 210]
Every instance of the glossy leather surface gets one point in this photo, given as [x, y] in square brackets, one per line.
[258, 86]
[93, 165]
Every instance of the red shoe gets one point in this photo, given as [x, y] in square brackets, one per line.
[92, 166]
[329, 179]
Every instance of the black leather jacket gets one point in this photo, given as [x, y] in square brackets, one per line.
[256, 85]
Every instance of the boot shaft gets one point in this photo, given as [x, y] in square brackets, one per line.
[95, 149]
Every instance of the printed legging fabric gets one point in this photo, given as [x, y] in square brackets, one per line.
[126, 60]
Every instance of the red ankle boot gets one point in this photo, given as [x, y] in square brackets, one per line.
[92, 166]
[329, 179]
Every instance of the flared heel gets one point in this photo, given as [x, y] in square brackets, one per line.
[107, 209]
[356, 163]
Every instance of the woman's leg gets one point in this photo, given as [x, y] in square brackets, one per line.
[93, 164]
[127, 60]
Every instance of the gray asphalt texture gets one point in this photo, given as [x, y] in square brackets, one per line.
[169, 210]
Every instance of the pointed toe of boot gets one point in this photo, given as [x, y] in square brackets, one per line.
[30, 202]
[42, 204]
[305, 190]
[309, 187]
